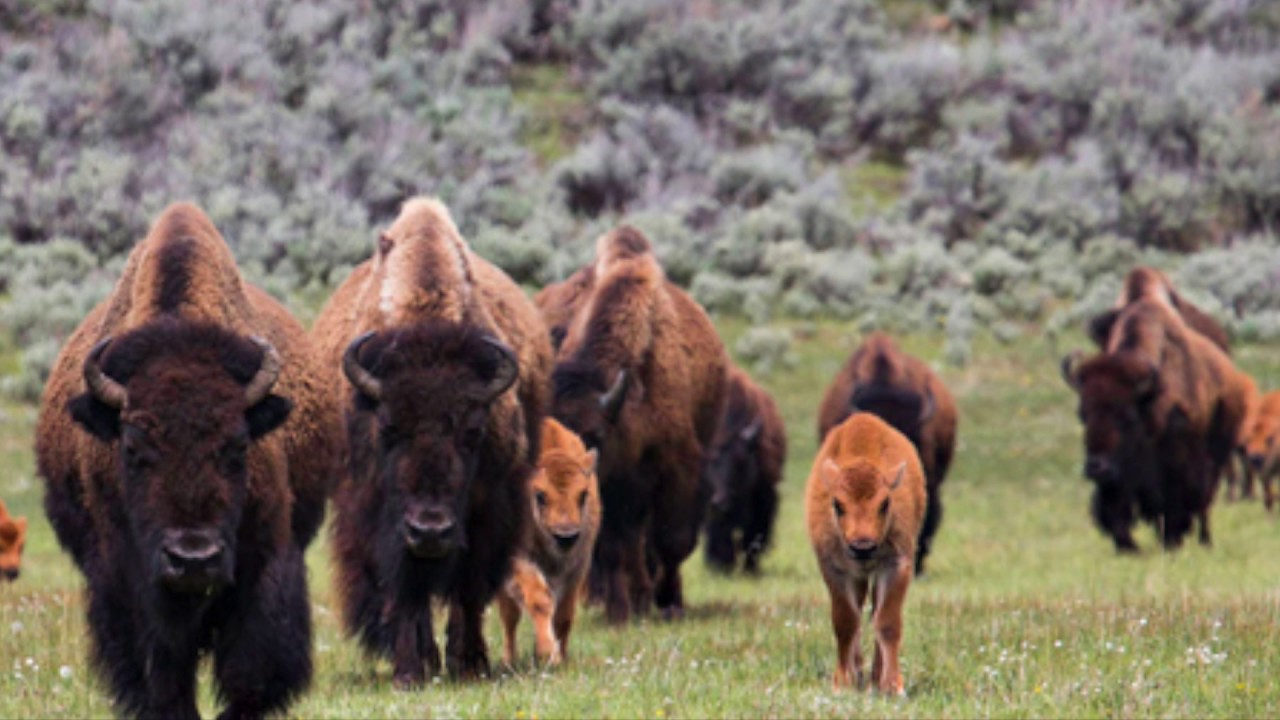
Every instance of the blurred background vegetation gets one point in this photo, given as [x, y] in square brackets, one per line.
[971, 166]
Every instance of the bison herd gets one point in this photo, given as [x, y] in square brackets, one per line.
[478, 447]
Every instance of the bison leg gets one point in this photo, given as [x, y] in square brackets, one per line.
[758, 529]
[891, 594]
[465, 654]
[528, 589]
[932, 519]
[845, 617]
[566, 609]
[509, 613]
[678, 505]
[721, 554]
[1113, 511]
[262, 657]
[414, 654]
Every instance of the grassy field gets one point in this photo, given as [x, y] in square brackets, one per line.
[1026, 610]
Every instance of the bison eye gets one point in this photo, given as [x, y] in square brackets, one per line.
[884, 507]
[541, 498]
[835, 504]
[582, 500]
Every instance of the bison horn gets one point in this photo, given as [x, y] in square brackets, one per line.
[1070, 366]
[506, 374]
[268, 373]
[361, 379]
[752, 431]
[928, 407]
[611, 400]
[105, 389]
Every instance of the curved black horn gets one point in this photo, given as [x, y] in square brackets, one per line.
[360, 378]
[1070, 364]
[105, 389]
[268, 373]
[928, 406]
[505, 376]
[611, 400]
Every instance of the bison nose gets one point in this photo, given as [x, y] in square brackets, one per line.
[192, 558]
[11, 573]
[863, 549]
[1099, 468]
[567, 540]
[428, 538]
[1257, 461]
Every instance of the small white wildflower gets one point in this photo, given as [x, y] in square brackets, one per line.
[64, 672]
[15, 627]
[1057, 643]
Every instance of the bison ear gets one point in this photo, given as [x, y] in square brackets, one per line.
[898, 474]
[1099, 328]
[830, 474]
[593, 458]
[267, 415]
[96, 417]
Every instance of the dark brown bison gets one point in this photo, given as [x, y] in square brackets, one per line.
[442, 365]
[187, 451]
[881, 379]
[560, 301]
[1151, 284]
[640, 377]
[743, 470]
[1162, 410]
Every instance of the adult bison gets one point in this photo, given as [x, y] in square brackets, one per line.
[1162, 410]
[187, 451]
[442, 365]
[640, 377]
[903, 391]
[743, 471]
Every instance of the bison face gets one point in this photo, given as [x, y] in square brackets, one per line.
[861, 500]
[732, 467]
[13, 538]
[565, 498]
[589, 406]
[431, 387]
[1260, 449]
[1116, 394]
[182, 404]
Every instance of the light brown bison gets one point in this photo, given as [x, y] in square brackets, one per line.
[1262, 445]
[551, 572]
[742, 474]
[442, 365]
[13, 538]
[903, 391]
[640, 377]
[187, 449]
[864, 504]
[560, 301]
[1162, 409]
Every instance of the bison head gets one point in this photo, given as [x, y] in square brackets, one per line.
[905, 409]
[566, 496]
[181, 404]
[732, 466]
[861, 499]
[13, 537]
[1116, 393]
[430, 388]
[589, 405]
[1260, 449]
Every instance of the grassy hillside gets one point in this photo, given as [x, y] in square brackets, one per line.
[1026, 610]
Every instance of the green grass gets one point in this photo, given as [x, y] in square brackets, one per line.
[1026, 610]
[873, 187]
[555, 110]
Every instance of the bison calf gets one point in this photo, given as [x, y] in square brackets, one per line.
[551, 570]
[13, 537]
[864, 505]
[743, 473]
[1262, 445]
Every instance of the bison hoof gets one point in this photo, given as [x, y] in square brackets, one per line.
[673, 612]
[408, 680]
[469, 666]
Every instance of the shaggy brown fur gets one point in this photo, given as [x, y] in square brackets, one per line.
[13, 538]
[743, 473]
[1151, 284]
[431, 305]
[1262, 445]
[903, 391]
[180, 322]
[864, 504]
[641, 377]
[551, 572]
[1162, 409]
[560, 301]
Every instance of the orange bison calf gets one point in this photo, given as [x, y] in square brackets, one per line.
[1262, 445]
[550, 572]
[13, 536]
[864, 505]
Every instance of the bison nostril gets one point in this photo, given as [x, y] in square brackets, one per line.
[428, 536]
[567, 540]
[863, 549]
[11, 573]
[1257, 461]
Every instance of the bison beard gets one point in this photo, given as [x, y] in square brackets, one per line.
[434, 506]
[236, 588]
